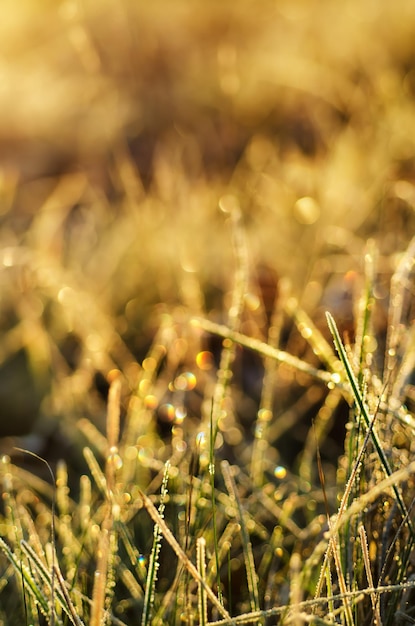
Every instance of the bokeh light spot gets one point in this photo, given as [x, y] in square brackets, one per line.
[113, 375]
[280, 472]
[149, 364]
[201, 439]
[94, 342]
[185, 382]
[150, 402]
[306, 210]
[252, 301]
[167, 412]
[114, 459]
[144, 387]
[204, 360]
[229, 204]
[265, 415]
[181, 414]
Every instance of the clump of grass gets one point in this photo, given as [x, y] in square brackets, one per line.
[224, 543]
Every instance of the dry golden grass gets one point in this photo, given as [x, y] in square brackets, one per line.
[173, 174]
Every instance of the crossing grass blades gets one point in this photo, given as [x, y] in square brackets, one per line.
[198, 526]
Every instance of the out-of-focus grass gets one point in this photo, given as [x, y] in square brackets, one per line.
[249, 164]
[123, 126]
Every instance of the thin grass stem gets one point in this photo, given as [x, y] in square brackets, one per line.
[154, 564]
[366, 561]
[251, 575]
[201, 566]
[267, 351]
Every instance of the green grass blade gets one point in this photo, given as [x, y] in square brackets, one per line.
[46, 577]
[30, 584]
[364, 412]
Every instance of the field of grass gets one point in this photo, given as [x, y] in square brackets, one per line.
[207, 280]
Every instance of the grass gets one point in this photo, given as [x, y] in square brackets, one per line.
[207, 353]
[228, 547]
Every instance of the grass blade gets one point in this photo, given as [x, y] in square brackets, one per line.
[364, 412]
[201, 566]
[251, 575]
[154, 557]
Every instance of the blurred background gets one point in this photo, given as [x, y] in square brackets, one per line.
[128, 129]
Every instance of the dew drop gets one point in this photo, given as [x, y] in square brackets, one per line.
[280, 472]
